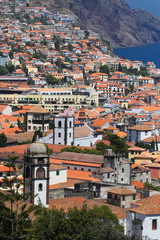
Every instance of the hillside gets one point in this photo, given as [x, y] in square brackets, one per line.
[113, 19]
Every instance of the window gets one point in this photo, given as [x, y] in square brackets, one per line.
[121, 179]
[69, 134]
[89, 170]
[108, 175]
[40, 173]
[68, 167]
[59, 124]
[27, 172]
[154, 224]
[123, 198]
[82, 169]
[134, 197]
[29, 127]
[40, 187]
[122, 170]
[132, 152]
[70, 124]
[75, 168]
[57, 173]
[59, 134]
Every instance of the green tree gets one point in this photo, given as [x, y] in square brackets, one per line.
[20, 124]
[153, 145]
[80, 150]
[70, 47]
[3, 140]
[3, 70]
[10, 67]
[57, 45]
[143, 145]
[96, 224]
[104, 69]
[119, 67]
[37, 132]
[11, 54]
[101, 146]
[51, 80]
[49, 150]
[86, 33]
[118, 144]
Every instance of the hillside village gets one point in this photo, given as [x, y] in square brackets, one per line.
[97, 114]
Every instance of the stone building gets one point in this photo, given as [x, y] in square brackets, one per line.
[37, 118]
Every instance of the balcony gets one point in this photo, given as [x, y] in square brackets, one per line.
[33, 101]
[40, 121]
[23, 101]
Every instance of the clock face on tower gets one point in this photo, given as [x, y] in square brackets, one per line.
[36, 174]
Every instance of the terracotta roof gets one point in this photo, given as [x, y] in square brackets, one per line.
[56, 167]
[138, 185]
[80, 157]
[122, 191]
[147, 206]
[83, 131]
[140, 128]
[67, 203]
[69, 184]
[150, 139]
[136, 149]
[81, 175]
[37, 109]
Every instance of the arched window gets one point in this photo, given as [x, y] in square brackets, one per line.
[70, 124]
[40, 187]
[59, 124]
[27, 172]
[40, 173]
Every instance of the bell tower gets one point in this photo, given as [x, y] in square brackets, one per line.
[36, 174]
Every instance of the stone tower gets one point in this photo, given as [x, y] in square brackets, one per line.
[36, 173]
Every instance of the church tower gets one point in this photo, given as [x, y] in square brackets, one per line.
[36, 174]
[63, 130]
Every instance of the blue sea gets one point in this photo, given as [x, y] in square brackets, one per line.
[149, 53]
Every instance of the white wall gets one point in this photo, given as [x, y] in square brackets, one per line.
[54, 179]
[86, 141]
[143, 229]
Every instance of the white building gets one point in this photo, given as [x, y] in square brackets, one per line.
[83, 136]
[57, 174]
[143, 219]
[63, 130]
[139, 132]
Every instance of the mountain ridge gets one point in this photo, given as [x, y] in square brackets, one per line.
[112, 19]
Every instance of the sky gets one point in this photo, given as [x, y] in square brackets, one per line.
[149, 5]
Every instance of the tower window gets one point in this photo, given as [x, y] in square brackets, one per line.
[40, 173]
[59, 134]
[70, 124]
[27, 172]
[40, 187]
[59, 124]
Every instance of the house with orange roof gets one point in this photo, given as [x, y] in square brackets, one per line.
[121, 197]
[37, 118]
[143, 218]
[140, 173]
[137, 133]
[101, 124]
